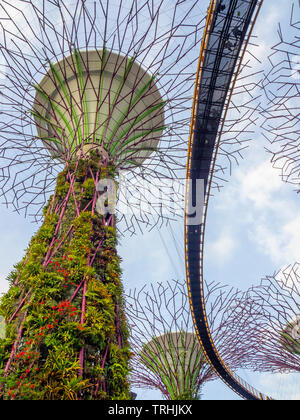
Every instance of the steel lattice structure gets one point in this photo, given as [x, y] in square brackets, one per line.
[134, 29]
[273, 315]
[160, 312]
[276, 330]
[282, 89]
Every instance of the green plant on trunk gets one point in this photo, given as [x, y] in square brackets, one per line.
[66, 334]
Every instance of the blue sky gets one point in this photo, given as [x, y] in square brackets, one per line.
[252, 231]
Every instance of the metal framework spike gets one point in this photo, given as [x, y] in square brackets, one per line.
[281, 85]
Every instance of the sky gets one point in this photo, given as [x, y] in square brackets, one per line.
[252, 231]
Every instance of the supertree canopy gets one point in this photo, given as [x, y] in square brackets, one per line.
[273, 315]
[167, 354]
[77, 73]
[74, 98]
[52, 101]
[88, 89]
[282, 88]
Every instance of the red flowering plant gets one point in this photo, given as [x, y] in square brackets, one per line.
[51, 324]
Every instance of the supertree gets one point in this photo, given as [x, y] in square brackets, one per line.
[281, 114]
[274, 317]
[88, 89]
[167, 354]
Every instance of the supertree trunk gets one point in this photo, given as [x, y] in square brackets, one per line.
[66, 334]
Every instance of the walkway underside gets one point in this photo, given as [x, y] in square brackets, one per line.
[229, 23]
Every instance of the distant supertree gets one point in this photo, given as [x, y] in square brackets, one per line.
[167, 355]
[88, 89]
[273, 314]
[282, 87]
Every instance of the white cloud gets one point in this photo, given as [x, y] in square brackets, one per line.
[258, 205]
[259, 185]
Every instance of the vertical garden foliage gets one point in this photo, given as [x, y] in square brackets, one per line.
[66, 332]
